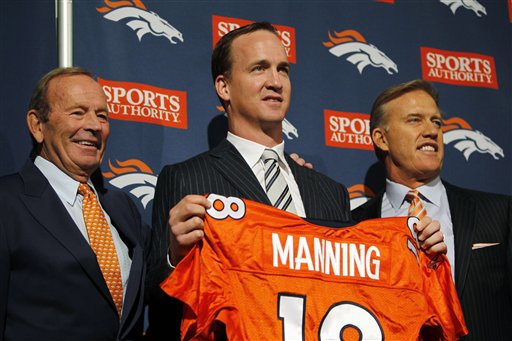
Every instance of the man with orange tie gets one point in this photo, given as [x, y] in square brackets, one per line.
[71, 252]
[405, 125]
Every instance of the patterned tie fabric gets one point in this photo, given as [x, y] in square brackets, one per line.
[102, 244]
[416, 209]
[275, 184]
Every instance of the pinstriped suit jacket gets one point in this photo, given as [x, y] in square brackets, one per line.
[483, 277]
[223, 170]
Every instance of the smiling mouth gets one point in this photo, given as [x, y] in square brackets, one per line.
[273, 99]
[428, 148]
[87, 143]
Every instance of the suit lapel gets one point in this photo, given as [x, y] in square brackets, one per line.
[370, 209]
[462, 210]
[375, 206]
[231, 165]
[302, 179]
[46, 207]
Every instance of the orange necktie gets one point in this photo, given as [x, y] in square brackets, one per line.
[416, 209]
[102, 244]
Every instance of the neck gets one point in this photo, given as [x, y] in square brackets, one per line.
[266, 137]
[409, 181]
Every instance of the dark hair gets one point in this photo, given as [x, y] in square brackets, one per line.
[39, 99]
[221, 56]
[378, 112]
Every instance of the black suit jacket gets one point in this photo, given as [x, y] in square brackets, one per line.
[223, 171]
[483, 277]
[51, 286]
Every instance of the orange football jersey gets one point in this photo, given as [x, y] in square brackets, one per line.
[267, 274]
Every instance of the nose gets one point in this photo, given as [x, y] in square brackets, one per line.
[431, 129]
[92, 122]
[274, 80]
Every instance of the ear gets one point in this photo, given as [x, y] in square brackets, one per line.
[35, 125]
[222, 87]
[380, 139]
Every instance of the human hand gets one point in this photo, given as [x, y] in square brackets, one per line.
[186, 225]
[430, 236]
[300, 161]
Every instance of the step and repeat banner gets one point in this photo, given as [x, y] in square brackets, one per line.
[153, 60]
[28, 49]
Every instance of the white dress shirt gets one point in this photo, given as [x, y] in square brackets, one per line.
[252, 151]
[67, 191]
[435, 200]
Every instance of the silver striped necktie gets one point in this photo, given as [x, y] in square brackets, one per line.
[275, 184]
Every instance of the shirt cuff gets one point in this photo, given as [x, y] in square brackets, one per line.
[169, 259]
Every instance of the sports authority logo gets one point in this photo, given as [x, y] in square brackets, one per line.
[353, 46]
[134, 176]
[359, 194]
[139, 19]
[457, 131]
[473, 5]
[145, 103]
[347, 130]
[223, 25]
[288, 129]
[458, 68]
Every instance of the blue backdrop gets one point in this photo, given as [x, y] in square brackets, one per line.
[153, 60]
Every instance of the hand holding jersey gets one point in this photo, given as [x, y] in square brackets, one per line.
[430, 237]
[186, 225]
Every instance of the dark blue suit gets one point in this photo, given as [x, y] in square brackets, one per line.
[51, 287]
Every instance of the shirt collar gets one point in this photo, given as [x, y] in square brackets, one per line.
[431, 191]
[65, 186]
[252, 151]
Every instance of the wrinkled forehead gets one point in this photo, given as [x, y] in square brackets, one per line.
[417, 102]
[75, 90]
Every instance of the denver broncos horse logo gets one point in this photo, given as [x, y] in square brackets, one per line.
[134, 175]
[352, 44]
[468, 140]
[359, 194]
[139, 19]
[473, 5]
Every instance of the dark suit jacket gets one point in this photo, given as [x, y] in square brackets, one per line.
[51, 287]
[483, 277]
[224, 171]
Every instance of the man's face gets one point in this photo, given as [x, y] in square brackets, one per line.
[412, 137]
[259, 89]
[75, 136]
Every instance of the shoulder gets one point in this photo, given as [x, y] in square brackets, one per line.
[484, 204]
[201, 163]
[10, 186]
[368, 210]
[198, 163]
[320, 182]
[10, 181]
[476, 195]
